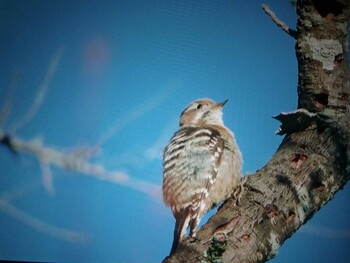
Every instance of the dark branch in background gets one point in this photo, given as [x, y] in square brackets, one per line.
[311, 164]
[278, 22]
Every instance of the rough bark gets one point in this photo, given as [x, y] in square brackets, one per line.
[311, 164]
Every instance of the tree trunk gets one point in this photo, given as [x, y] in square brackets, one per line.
[311, 164]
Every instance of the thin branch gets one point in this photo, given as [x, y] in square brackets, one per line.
[20, 191]
[279, 23]
[41, 94]
[134, 114]
[39, 225]
[74, 160]
[46, 175]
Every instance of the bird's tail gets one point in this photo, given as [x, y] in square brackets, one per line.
[182, 221]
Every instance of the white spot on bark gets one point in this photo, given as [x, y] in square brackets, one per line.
[304, 202]
[325, 51]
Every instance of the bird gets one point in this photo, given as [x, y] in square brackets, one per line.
[201, 166]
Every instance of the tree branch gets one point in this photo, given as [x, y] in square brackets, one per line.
[277, 200]
[41, 226]
[41, 94]
[311, 164]
[77, 160]
[278, 22]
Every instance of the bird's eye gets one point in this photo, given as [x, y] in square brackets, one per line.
[199, 106]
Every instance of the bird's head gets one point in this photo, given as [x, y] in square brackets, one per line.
[201, 112]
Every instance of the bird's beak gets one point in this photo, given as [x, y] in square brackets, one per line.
[221, 104]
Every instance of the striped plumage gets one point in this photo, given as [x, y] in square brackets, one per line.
[201, 166]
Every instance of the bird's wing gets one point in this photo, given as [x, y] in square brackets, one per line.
[191, 162]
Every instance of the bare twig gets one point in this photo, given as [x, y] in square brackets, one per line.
[41, 94]
[73, 160]
[39, 225]
[20, 191]
[279, 23]
[134, 114]
[46, 175]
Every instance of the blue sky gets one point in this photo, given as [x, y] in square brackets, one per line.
[115, 75]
